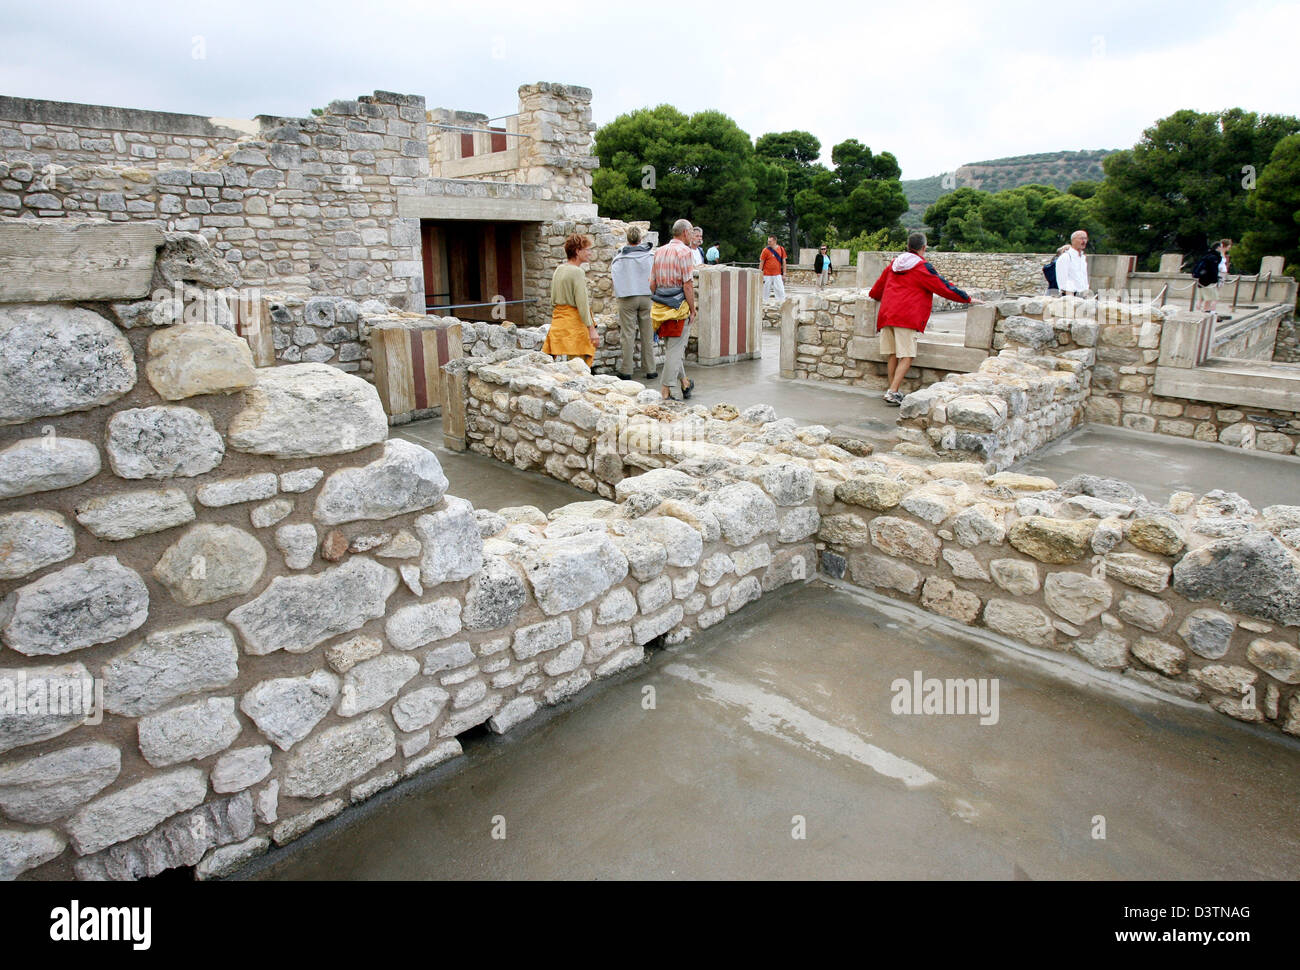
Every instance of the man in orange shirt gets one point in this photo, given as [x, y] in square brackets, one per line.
[772, 262]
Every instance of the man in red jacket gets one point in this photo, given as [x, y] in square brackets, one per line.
[905, 293]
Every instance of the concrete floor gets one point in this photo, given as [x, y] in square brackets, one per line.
[1159, 465]
[762, 722]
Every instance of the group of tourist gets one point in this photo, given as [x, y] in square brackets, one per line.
[655, 289]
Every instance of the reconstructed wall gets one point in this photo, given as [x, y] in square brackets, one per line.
[1199, 598]
[307, 205]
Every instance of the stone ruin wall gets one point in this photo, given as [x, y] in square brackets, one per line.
[286, 611]
[308, 205]
[1197, 598]
[1004, 274]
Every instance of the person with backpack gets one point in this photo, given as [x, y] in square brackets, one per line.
[772, 262]
[672, 296]
[822, 267]
[1072, 266]
[1211, 270]
[1049, 272]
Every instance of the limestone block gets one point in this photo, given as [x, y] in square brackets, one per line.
[1207, 633]
[306, 411]
[373, 683]
[714, 567]
[295, 613]
[977, 412]
[169, 664]
[302, 480]
[537, 638]
[407, 478]
[135, 810]
[298, 544]
[210, 563]
[1225, 679]
[33, 540]
[899, 537]
[645, 630]
[269, 513]
[1106, 650]
[42, 464]
[1020, 621]
[1277, 659]
[1157, 534]
[346, 654]
[1052, 540]
[167, 441]
[419, 708]
[48, 787]
[874, 492]
[189, 732]
[232, 491]
[513, 713]
[1146, 612]
[1253, 574]
[799, 523]
[744, 512]
[125, 515]
[682, 544]
[1140, 571]
[96, 601]
[451, 546]
[1076, 597]
[495, 595]
[55, 359]
[964, 565]
[241, 768]
[286, 709]
[846, 529]
[943, 597]
[299, 825]
[198, 358]
[1017, 577]
[21, 851]
[785, 482]
[339, 755]
[414, 626]
[25, 715]
[867, 569]
[568, 573]
[1160, 655]
[978, 524]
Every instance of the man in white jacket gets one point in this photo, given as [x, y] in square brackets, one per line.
[1072, 266]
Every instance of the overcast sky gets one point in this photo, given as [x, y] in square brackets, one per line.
[938, 84]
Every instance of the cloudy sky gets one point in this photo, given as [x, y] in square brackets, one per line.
[938, 84]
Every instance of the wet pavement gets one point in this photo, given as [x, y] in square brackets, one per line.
[769, 753]
[1159, 465]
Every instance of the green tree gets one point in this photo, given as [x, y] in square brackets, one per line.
[1186, 181]
[796, 154]
[1026, 219]
[861, 194]
[662, 165]
[1275, 205]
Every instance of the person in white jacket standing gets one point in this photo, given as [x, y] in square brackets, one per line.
[1072, 266]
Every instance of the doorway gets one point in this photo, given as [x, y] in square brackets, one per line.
[472, 268]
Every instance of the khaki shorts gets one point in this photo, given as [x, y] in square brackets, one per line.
[898, 341]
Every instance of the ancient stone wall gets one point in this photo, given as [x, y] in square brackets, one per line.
[1031, 393]
[1197, 598]
[1122, 394]
[306, 206]
[1008, 274]
[35, 134]
[283, 610]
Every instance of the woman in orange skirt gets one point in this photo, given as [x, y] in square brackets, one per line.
[572, 332]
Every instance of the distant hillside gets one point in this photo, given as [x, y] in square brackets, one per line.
[1059, 169]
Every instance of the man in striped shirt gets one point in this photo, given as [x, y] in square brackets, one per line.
[672, 295]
